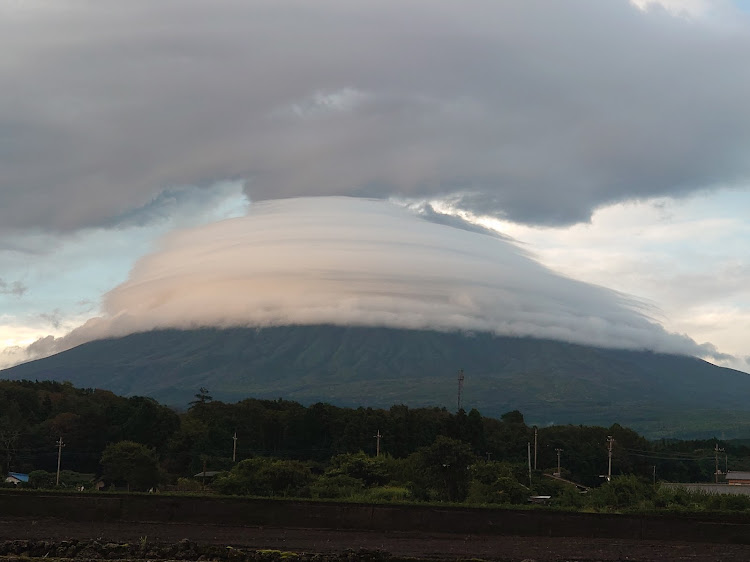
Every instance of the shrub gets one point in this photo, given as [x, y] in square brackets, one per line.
[188, 485]
[503, 489]
[41, 479]
[568, 497]
[371, 471]
[667, 497]
[336, 486]
[387, 494]
[730, 502]
[622, 492]
[266, 477]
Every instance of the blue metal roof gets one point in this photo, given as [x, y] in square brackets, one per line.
[19, 476]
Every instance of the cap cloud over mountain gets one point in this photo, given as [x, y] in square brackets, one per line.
[611, 137]
[348, 261]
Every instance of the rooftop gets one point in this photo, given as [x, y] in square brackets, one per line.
[738, 475]
[18, 476]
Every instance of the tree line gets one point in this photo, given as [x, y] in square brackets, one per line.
[431, 453]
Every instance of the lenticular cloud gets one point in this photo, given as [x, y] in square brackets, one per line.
[339, 260]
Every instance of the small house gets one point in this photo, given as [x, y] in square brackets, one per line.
[17, 478]
[541, 500]
[738, 478]
[208, 475]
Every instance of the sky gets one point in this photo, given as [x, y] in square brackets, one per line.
[153, 153]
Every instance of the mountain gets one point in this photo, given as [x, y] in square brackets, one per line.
[550, 382]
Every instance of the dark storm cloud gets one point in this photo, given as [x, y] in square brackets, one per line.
[537, 111]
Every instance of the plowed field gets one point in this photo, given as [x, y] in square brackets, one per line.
[443, 546]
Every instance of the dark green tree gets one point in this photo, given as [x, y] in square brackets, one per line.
[371, 471]
[11, 429]
[202, 397]
[41, 479]
[495, 482]
[262, 476]
[149, 422]
[133, 463]
[444, 468]
[621, 492]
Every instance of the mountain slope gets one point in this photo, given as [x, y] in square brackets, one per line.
[551, 382]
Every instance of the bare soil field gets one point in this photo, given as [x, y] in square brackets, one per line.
[112, 539]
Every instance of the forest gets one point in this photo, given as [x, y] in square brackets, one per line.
[283, 448]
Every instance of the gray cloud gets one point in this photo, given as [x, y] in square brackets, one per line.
[15, 288]
[363, 262]
[427, 211]
[54, 318]
[40, 348]
[533, 110]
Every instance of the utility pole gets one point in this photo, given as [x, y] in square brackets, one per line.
[535, 447]
[610, 441]
[559, 471]
[528, 447]
[60, 445]
[716, 459]
[460, 388]
[234, 448]
[377, 436]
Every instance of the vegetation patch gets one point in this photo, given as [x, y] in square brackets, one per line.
[283, 450]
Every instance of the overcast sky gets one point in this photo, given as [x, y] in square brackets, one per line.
[608, 138]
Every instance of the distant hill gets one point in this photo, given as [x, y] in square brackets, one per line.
[549, 381]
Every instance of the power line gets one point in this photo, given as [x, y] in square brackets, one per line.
[658, 451]
[665, 455]
[679, 459]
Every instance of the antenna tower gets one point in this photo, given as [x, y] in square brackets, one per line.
[460, 388]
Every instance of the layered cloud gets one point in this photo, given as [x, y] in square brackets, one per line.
[535, 111]
[363, 262]
[50, 283]
[117, 118]
[687, 255]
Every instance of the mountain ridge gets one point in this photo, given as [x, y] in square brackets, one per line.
[549, 381]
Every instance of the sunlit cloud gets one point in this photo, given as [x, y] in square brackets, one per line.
[684, 8]
[365, 263]
[687, 256]
[122, 121]
[61, 277]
